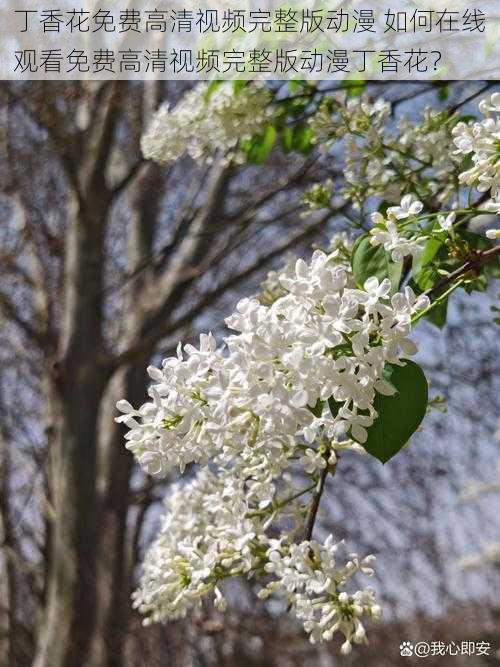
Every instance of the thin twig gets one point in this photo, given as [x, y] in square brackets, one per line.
[316, 499]
[470, 97]
[473, 263]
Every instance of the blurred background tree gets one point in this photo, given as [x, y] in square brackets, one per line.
[106, 262]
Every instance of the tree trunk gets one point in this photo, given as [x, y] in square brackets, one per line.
[115, 556]
[115, 568]
[70, 609]
[77, 383]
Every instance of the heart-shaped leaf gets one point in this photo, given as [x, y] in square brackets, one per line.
[368, 261]
[399, 415]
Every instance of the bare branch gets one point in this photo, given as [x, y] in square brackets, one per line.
[471, 97]
[102, 130]
[127, 180]
[315, 502]
[60, 148]
[11, 312]
[168, 327]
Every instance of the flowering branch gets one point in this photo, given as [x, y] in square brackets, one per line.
[319, 361]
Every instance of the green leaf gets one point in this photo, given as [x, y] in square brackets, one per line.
[353, 87]
[475, 241]
[438, 314]
[261, 145]
[294, 85]
[334, 406]
[430, 250]
[287, 139]
[302, 139]
[466, 118]
[424, 275]
[492, 269]
[443, 93]
[411, 283]
[383, 206]
[318, 408]
[479, 284]
[427, 277]
[212, 86]
[297, 138]
[357, 243]
[294, 107]
[368, 260]
[238, 85]
[400, 415]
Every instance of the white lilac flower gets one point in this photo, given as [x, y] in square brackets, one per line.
[493, 205]
[207, 534]
[248, 410]
[244, 406]
[312, 583]
[373, 294]
[492, 105]
[312, 461]
[380, 162]
[429, 143]
[481, 140]
[446, 222]
[387, 234]
[339, 115]
[206, 122]
[407, 207]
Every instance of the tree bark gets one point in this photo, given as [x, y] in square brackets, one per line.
[115, 564]
[70, 608]
[77, 382]
[8, 586]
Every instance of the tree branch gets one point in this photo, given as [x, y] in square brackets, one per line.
[169, 327]
[469, 98]
[67, 164]
[316, 499]
[11, 313]
[100, 141]
[473, 263]
[127, 180]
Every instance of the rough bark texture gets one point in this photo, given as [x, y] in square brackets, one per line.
[78, 382]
